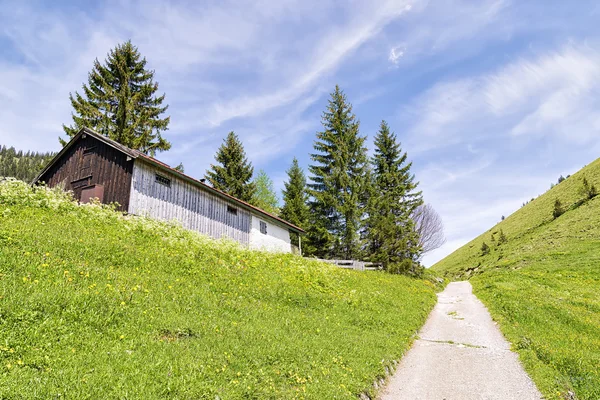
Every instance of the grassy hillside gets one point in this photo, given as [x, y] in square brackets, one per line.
[543, 286]
[95, 305]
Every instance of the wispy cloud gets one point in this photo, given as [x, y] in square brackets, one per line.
[507, 112]
[552, 93]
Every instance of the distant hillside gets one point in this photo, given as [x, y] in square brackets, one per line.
[542, 284]
[22, 165]
[97, 305]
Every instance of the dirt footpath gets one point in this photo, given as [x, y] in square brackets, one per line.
[460, 354]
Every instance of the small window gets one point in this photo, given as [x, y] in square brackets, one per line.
[263, 227]
[163, 180]
[232, 210]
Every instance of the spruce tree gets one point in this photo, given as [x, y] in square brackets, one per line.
[295, 197]
[295, 202]
[180, 168]
[234, 174]
[264, 196]
[120, 102]
[391, 234]
[337, 181]
[21, 165]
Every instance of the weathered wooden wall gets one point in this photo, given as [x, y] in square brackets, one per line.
[91, 162]
[193, 207]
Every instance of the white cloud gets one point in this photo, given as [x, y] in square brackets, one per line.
[216, 62]
[552, 94]
[395, 54]
[483, 127]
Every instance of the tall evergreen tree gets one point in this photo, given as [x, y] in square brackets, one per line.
[295, 203]
[234, 174]
[120, 102]
[391, 235]
[338, 180]
[295, 197]
[264, 196]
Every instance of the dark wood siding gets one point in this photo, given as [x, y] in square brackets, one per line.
[92, 162]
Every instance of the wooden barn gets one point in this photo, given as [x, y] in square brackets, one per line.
[94, 166]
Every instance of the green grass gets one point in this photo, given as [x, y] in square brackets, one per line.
[543, 287]
[94, 305]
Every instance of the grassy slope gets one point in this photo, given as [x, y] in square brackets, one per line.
[96, 306]
[543, 287]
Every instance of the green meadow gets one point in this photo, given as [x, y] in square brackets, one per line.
[97, 305]
[542, 285]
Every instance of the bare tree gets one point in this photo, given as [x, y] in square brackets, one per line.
[430, 228]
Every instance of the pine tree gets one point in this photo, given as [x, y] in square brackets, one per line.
[295, 202]
[234, 174]
[587, 190]
[22, 165]
[180, 168]
[485, 249]
[502, 239]
[264, 196]
[337, 181]
[391, 235]
[558, 209]
[119, 101]
[295, 197]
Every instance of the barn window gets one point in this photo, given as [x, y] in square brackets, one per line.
[263, 227]
[232, 210]
[163, 180]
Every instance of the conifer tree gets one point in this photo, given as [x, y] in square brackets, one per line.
[264, 196]
[337, 181]
[295, 202]
[485, 249]
[120, 102]
[502, 239]
[295, 197]
[391, 234]
[20, 165]
[233, 174]
[180, 168]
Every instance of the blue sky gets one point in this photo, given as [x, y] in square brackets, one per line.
[493, 100]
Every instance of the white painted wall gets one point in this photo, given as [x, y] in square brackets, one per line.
[277, 238]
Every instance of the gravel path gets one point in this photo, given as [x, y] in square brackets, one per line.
[460, 354]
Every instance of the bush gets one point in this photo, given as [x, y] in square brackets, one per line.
[558, 209]
[502, 238]
[588, 191]
[406, 267]
[485, 249]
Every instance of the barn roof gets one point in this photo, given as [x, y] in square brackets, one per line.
[136, 154]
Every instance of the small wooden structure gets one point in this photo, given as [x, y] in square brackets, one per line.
[94, 166]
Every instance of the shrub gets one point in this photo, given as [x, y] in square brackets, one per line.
[502, 239]
[558, 209]
[588, 191]
[406, 267]
[485, 249]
